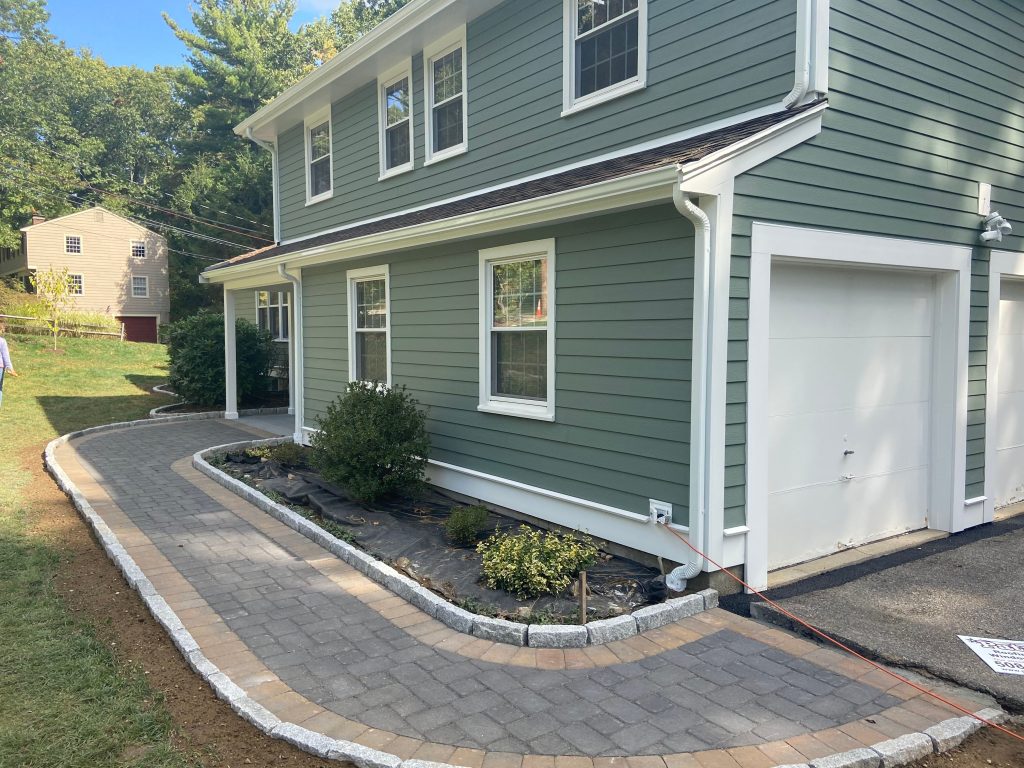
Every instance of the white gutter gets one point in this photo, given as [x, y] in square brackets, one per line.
[271, 147]
[296, 376]
[812, 26]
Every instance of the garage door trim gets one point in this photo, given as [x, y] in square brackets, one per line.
[1003, 264]
[771, 243]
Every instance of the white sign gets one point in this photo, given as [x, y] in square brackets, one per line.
[1003, 656]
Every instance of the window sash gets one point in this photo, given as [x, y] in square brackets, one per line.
[140, 287]
[72, 244]
[319, 139]
[272, 308]
[445, 87]
[369, 326]
[76, 285]
[626, 13]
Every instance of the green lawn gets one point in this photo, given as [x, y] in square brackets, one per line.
[64, 700]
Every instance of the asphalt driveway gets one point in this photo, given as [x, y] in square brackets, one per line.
[907, 609]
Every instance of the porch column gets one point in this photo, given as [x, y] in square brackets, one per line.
[291, 357]
[230, 357]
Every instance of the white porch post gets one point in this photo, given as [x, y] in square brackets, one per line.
[230, 357]
[291, 356]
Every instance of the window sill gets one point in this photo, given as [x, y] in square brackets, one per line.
[520, 410]
[281, 341]
[392, 172]
[601, 97]
[453, 152]
[319, 198]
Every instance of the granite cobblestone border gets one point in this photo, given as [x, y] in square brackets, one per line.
[943, 736]
[497, 630]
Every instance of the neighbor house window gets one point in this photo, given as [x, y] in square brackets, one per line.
[445, 73]
[517, 359]
[76, 285]
[369, 325]
[319, 168]
[272, 312]
[605, 50]
[72, 244]
[395, 105]
[140, 287]
[138, 249]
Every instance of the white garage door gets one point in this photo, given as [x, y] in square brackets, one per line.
[1009, 426]
[850, 358]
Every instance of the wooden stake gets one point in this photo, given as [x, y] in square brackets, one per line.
[583, 597]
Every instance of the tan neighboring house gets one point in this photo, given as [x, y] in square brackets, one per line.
[117, 267]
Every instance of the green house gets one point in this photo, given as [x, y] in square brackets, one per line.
[748, 272]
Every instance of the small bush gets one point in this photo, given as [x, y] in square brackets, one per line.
[532, 563]
[464, 524]
[288, 454]
[195, 347]
[372, 441]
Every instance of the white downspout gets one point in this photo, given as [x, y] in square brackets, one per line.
[230, 357]
[275, 179]
[812, 28]
[699, 434]
[296, 374]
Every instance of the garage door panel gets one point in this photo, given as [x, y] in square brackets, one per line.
[1011, 308]
[832, 374]
[875, 303]
[1009, 424]
[1009, 427]
[869, 509]
[799, 455]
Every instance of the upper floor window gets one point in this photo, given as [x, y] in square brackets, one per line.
[319, 160]
[140, 287]
[272, 313]
[72, 244]
[369, 348]
[138, 249]
[517, 360]
[447, 120]
[605, 50]
[76, 285]
[395, 97]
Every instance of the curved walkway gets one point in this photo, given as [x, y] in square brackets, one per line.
[322, 646]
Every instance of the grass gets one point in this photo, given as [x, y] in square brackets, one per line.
[66, 701]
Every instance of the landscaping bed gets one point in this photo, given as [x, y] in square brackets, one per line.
[408, 533]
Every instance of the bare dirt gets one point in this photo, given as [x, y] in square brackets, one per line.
[206, 728]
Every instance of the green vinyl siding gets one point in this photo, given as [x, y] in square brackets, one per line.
[623, 339]
[926, 100]
[707, 60]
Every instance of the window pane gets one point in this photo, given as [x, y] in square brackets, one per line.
[448, 125]
[594, 13]
[371, 304]
[607, 57]
[397, 142]
[520, 294]
[372, 356]
[320, 177]
[72, 244]
[284, 322]
[520, 364]
[448, 76]
[262, 298]
[263, 318]
[319, 141]
[396, 98]
[138, 249]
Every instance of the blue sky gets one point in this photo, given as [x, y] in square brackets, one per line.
[125, 32]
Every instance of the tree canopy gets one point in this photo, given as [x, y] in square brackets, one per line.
[159, 146]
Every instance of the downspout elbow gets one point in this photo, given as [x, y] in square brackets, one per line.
[271, 147]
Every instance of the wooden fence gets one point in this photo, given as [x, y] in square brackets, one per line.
[43, 325]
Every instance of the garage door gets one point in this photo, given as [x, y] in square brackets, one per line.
[1009, 426]
[140, 328]
[850, 360]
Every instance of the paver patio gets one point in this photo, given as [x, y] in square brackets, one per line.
[322, 646]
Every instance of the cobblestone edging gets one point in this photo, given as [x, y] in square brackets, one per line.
[459, 619]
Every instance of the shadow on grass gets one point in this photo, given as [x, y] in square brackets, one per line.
[68, 414]
[145, 383]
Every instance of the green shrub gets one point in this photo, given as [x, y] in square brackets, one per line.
[372, 441]
[195, 347]
[464, 524]
[288, 454]
[532, 562]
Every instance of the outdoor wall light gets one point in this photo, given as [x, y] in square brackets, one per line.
[995, 227]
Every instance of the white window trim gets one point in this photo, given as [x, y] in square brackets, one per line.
[317, 118]
[508, 406]
[445, 45]
[388, 78]
[81, 245]
[570, 104]
[70, 283]
[354, 276]
[131, 249]
[284, 308]
[140, 277]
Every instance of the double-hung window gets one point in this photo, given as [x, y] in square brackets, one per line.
[140, 287]
[605, 50]
[76, 285]
[517, 322]
[138, 249]
[272, 313]
[369, 324]
[394, 93]
[72, 244]
[319, 161]
[445, 87]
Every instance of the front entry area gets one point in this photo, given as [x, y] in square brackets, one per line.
[850, 362]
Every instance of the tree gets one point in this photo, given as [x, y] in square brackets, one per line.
[53, 286]
[354, 18]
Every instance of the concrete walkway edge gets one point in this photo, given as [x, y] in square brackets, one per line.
[936, 739]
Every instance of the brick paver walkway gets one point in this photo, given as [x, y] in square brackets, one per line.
[322, 646]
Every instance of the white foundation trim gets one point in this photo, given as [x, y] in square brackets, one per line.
[952, 266]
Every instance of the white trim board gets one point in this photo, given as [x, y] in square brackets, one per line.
[352, 278]
[952, 266]
[1002, 264]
